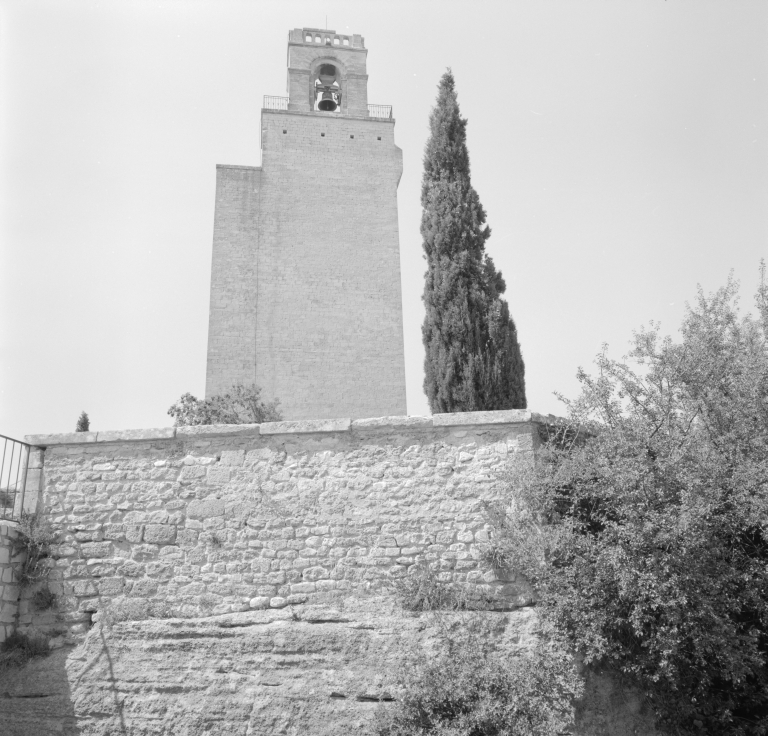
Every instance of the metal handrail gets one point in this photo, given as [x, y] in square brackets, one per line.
[380, 111]
[275, 103]
[13, 465]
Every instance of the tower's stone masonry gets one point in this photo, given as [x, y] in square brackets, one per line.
[305, 287]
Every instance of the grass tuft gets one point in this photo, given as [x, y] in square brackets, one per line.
[421, 590]
[18, 649]
[43, 599]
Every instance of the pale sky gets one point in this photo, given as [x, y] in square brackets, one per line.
[619, 149]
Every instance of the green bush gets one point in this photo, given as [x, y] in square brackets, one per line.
[647, 541]
[240, 405]
[36, 534]
[44, 599]
[83, 423]
[422, 590]
[18, 649]
[467, 688]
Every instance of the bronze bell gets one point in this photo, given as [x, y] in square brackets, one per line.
[327, 103]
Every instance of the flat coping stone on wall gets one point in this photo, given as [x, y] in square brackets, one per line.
[123, 435]
[304, 426]
[510, 416]
[128, 435]
[68, 438]
[389, 422]
[216, 430]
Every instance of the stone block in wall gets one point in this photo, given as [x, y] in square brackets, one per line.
[218, 475]
[111, 586]
[187, 537]
[171, 554]
[129, 609]
[134, 533]
[132, 435]
[8, 611]
[205, 509]
[306, 426]
[114, 532]
[69, 438]
[216, 430]
[232, 457]
[82, 588]
[143, 588]
[144, 552]
[159, 533]
[192, 472]
[96, 549]
[160, 570]
[511, 416]
[303, 588]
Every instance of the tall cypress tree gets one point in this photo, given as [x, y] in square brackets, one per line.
[473, 360]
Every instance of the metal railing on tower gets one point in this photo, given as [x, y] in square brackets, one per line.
[275, 103]
[380, 111]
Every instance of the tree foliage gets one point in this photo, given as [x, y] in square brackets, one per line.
[645, 526]
[468, 688]
[83, 423]
[473, 359]
[240, 405]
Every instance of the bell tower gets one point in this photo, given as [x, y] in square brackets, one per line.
[305, 280]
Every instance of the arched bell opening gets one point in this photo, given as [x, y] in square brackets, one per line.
[327, 89]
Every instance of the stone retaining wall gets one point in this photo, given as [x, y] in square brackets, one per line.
[9, 591]
[26, 502]
[200, 521]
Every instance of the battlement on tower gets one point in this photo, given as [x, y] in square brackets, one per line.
[325, 37]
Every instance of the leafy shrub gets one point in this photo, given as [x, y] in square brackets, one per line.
[6, 498]
[83, 423]
[648, 542]
[44, 599]
[240, 405]
[422, 590]
[468, 689]
[18, 649]
[36, 534]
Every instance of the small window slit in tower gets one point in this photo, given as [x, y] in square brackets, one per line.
[284, 132]
[351, 136]
[322, 135]
[378, 138]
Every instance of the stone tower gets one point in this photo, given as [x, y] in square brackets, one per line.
[305, 282]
